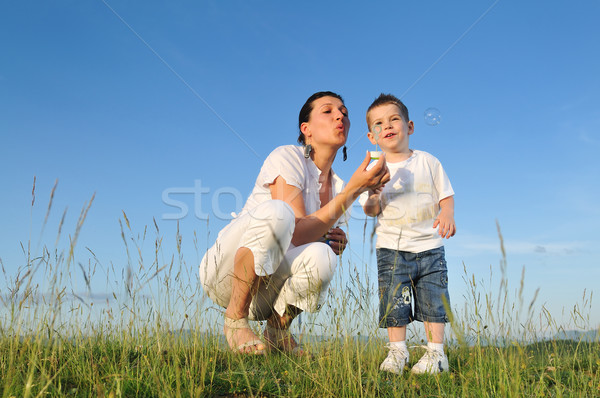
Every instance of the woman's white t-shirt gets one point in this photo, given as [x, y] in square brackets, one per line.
[288, 161]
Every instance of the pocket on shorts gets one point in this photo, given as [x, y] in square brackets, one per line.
[444, 278]
[385, 268]
[386, 261]
[442, 266]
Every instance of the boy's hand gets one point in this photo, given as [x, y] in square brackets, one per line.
[445, 220]
[372, 206]
[447, 227]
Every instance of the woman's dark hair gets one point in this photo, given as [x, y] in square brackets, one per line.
[308, 107]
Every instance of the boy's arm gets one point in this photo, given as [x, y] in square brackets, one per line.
[445, 220]
[372, 206]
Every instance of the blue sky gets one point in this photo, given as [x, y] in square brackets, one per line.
[137, 101]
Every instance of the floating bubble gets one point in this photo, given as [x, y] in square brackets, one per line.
[432, 116]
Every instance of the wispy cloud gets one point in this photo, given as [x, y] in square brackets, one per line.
[587, 138]
[51, 298]
[471, 245]
[575, 103]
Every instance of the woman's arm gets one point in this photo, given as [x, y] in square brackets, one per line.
[311, 227]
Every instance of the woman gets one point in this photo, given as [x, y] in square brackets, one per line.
[271, 262]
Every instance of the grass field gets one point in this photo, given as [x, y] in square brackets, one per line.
[124, 366]
[50, 345]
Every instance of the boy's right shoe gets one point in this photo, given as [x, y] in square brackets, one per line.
[395, 361]
[432, 362]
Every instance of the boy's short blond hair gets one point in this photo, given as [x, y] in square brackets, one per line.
[385, 99]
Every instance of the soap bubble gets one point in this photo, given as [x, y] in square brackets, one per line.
[432, 116]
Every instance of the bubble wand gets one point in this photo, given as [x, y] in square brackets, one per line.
[376, 154]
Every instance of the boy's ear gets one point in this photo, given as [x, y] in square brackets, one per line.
[411, 127]
[371, 137]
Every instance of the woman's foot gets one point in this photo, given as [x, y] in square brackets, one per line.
[282, 340]
[241, 338]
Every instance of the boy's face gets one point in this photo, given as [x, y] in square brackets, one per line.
[388, 129]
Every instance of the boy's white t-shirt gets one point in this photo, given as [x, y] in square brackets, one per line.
[410, 204]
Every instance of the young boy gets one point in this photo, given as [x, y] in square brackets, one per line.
[410, 252]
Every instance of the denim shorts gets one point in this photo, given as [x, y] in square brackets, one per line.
[408, 280]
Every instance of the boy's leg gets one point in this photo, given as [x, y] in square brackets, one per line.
[434, 360]
[396, 333]
[435, 332]
[395, 271]
[431, 300]
[398, 356]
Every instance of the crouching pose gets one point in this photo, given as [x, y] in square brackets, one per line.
[278, 256]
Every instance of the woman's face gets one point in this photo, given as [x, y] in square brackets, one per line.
[328, 123]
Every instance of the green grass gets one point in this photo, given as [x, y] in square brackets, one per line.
[155, 340]
[96, 366]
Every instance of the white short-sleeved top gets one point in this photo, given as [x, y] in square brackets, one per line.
[410, 202]
[288, 161]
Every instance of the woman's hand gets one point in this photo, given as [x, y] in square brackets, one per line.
[373, 179]
[311, 227]
[336, 238]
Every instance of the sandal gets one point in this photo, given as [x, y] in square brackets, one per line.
[232, 326]
[276, 338]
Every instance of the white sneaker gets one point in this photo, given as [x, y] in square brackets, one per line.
[395, 361]
[432, 362]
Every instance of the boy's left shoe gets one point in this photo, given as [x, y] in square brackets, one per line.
[432, 362]
[395, 361]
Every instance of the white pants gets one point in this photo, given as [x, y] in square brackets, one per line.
[296, 276]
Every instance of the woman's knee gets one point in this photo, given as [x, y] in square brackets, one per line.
[278, 215]
[268, 235]
[284, 214]
[324, 261]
